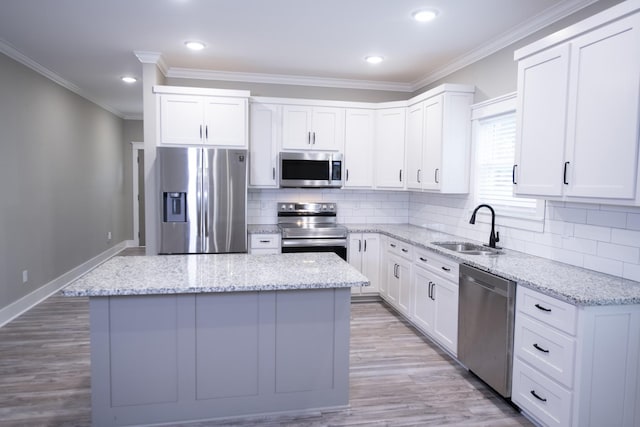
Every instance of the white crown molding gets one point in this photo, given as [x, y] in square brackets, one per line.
[147, 57]
[284, 79]
[538, 22]
[18, 56]
[132, 117]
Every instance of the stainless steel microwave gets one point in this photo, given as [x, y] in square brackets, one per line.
[311, 170]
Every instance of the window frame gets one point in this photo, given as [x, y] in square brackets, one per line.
[485, 110]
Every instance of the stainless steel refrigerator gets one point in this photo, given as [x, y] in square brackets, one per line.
[203, 199]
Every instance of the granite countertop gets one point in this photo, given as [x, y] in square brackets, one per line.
[574, 285]
[180, 274]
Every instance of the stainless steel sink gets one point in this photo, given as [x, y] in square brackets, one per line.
[467, 248]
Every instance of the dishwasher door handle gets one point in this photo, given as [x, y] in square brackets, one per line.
[487, 286]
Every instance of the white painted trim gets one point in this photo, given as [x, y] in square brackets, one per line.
[187, 90]
[616, 12]
[286, 79]
[13, 53]
[135, 146]
[147, 57]
[29, 301]
[538, 22]
[494, 107]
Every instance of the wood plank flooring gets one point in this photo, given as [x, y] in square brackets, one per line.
[398, 378]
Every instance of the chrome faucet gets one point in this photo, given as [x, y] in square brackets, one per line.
[493, 237]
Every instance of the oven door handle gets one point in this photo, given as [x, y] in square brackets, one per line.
[297, 243]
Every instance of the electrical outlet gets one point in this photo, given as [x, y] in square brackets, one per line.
[108, 235]
[25, 276]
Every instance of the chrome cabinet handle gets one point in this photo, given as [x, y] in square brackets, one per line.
[314, 138]
[436, 176]
[200, 131]
[423, 259]
[274, 173]
[513, 174]
[447, 269]
[418, 176]
[405, 250]
[206, 132]
[564, 178]
[347, 175]
[308, 137]
[265, 241]
[400, 175]
[365, 245]
[393, 245]
[429, 291]
[359, 245]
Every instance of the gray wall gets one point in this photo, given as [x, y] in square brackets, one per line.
[62, 175]
[293, 91]
[496, 74]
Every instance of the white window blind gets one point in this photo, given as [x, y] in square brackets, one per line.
[495, 153]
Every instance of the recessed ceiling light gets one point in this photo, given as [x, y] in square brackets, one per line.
[129, 79]
[194, 45]
[425, 15]
[374, 59]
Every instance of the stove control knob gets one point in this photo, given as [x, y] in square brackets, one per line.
[290, 207]
[324, 207]
[283, 207]
[331, 207]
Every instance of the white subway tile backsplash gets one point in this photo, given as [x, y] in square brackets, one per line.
[631, 271]
[584, 246]
[607, 218]
[575, 215]
[619, 252]
[593, 232]
[604, 265]
[626, 237]
[633, 221]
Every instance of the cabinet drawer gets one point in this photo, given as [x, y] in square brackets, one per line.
[539, 396]
[547, 350]
[436, 264]
[545, 309]
[265, 241]
[399, 248]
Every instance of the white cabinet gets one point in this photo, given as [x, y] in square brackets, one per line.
[579, 112]
[313, 128]
[364, 254]
[197, 120]
[399, 295]
[265, 130]
[390, 142]
[359, 148]
[263, 244]
[576, 366]
[435, 302]
[439, 141]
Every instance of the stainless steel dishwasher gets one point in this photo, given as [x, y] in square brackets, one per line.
[485, 326]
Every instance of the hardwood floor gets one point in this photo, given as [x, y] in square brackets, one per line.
[398, 378]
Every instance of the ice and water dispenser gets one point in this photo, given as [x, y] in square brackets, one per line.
[174, 207]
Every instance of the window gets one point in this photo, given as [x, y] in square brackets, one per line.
[495, 142]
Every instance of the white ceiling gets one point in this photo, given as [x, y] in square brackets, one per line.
[88, 45]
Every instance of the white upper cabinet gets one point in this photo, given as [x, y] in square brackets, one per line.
[359, 148]
[578, 111]
[197, 116]
[542, 98]
[439, 141]
[265, 121]
[390, 134]
[414, 146]
[313, 128]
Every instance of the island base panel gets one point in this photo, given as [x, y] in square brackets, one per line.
[169, 358]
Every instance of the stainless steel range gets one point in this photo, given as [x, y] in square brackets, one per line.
[311, 227]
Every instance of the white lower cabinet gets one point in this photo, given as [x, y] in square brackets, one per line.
[435, 302]
[263, 244]
[398, 275]
[576, 366]
[364, 254]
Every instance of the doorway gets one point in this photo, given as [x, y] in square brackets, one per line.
[138, 193]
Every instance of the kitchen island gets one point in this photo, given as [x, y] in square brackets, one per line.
[195, 337]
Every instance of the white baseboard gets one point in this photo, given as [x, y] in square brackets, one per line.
[32, 299]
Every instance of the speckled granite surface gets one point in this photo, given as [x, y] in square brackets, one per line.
[575, 285]
[174, 274]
